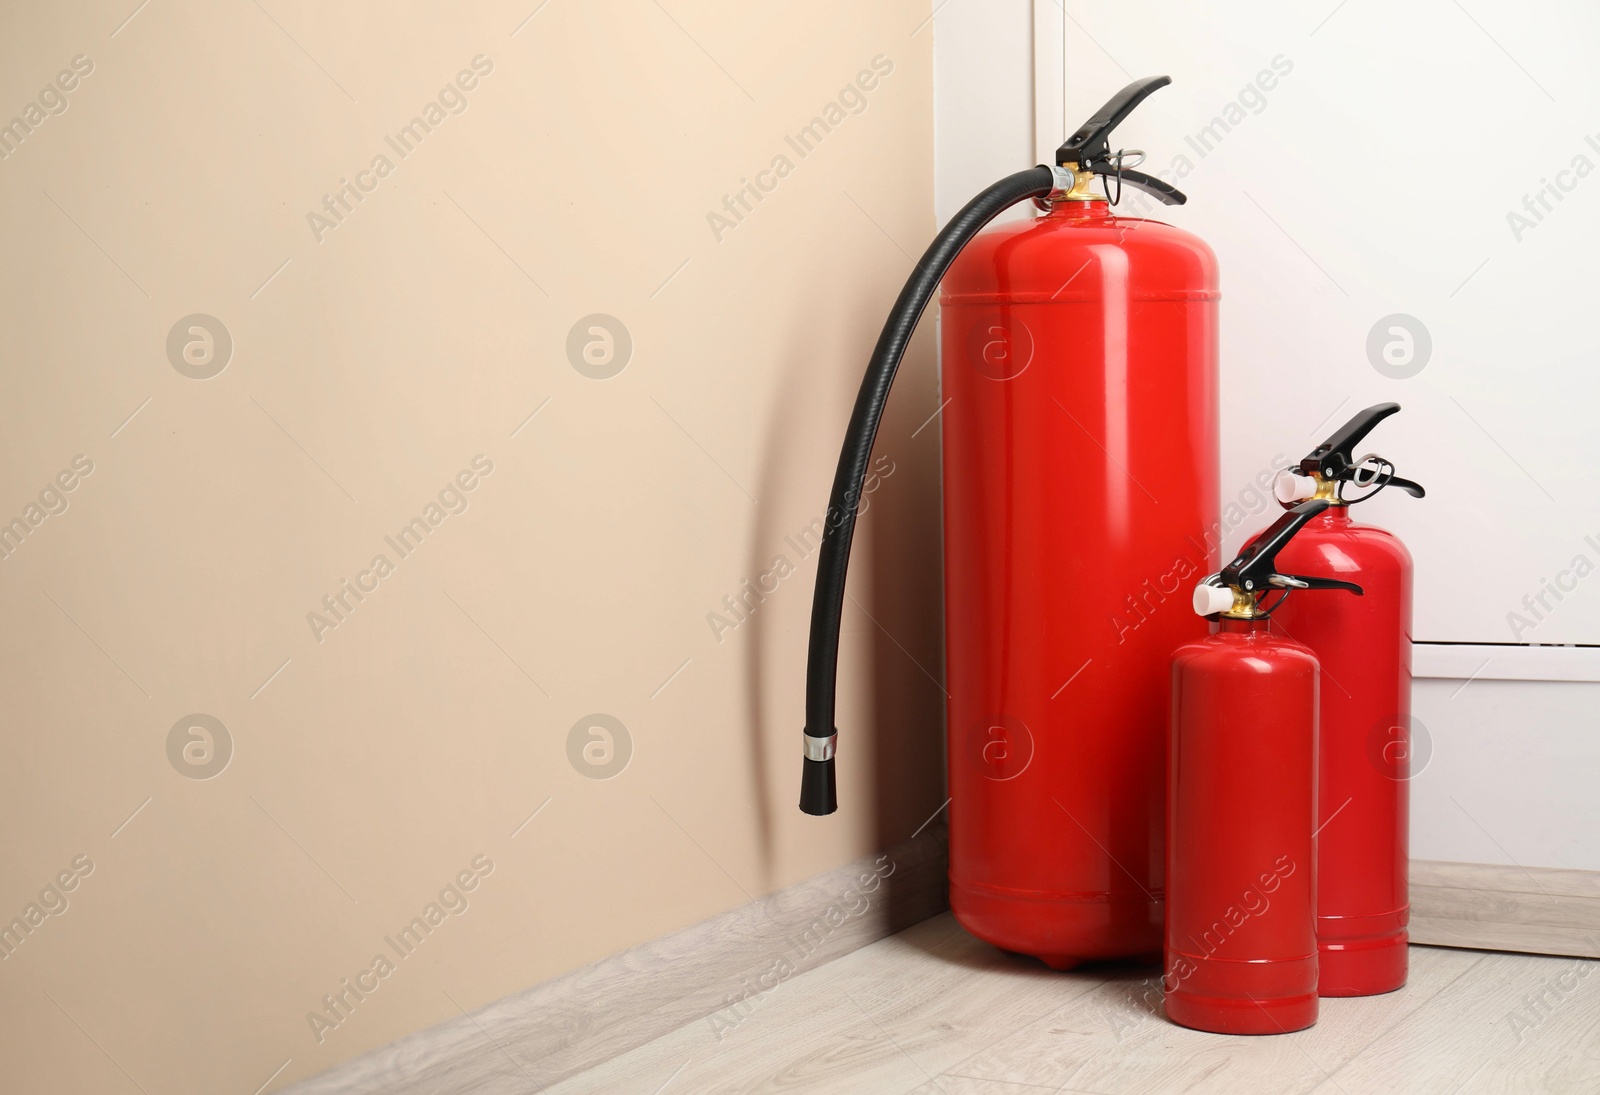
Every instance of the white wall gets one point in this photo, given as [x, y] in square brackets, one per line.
[982, 97]
[1374, 177]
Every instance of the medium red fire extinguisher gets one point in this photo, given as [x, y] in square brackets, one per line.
[1366, 754]
[1079, 371]
[1241, 945]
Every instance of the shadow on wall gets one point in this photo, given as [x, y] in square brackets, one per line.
[897, 610]
[904, 560]
[781, 446]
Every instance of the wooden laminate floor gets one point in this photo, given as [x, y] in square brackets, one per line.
[933, 1010]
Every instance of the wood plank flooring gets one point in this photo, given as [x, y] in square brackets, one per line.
[932, 1011]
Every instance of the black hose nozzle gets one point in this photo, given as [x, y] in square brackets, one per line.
[819, 792]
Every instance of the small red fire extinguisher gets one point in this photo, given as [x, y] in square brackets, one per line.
[1366, 752]
[1241, 946]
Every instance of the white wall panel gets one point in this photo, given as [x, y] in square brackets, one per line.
[1388, 167]
[1507, 772]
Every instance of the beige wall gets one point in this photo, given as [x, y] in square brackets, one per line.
[376, 757]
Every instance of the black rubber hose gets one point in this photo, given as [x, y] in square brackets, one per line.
[818, 791]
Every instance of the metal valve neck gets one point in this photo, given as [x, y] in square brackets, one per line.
[1246, 606]
[1082, 188]
[1328, 491]
[1243, 624]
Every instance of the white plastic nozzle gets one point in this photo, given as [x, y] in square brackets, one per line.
[1290, 487]
[1210, 599]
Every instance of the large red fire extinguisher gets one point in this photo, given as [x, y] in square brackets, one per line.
[1366, 754]
[1241, 945]
[1080, 475]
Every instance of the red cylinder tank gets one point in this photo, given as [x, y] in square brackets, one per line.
[1241, 948]
[1364, 646]
[1080, 470]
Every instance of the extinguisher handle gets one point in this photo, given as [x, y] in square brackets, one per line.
[1335, 458]
[1336, 455]
[1257, 562]
[1301, 581]
[1410, 486]
[1090, 145]
[1159, 189]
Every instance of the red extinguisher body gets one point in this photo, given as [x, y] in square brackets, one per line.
[1241, 948]
[1364, 647]
[1080, 485]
